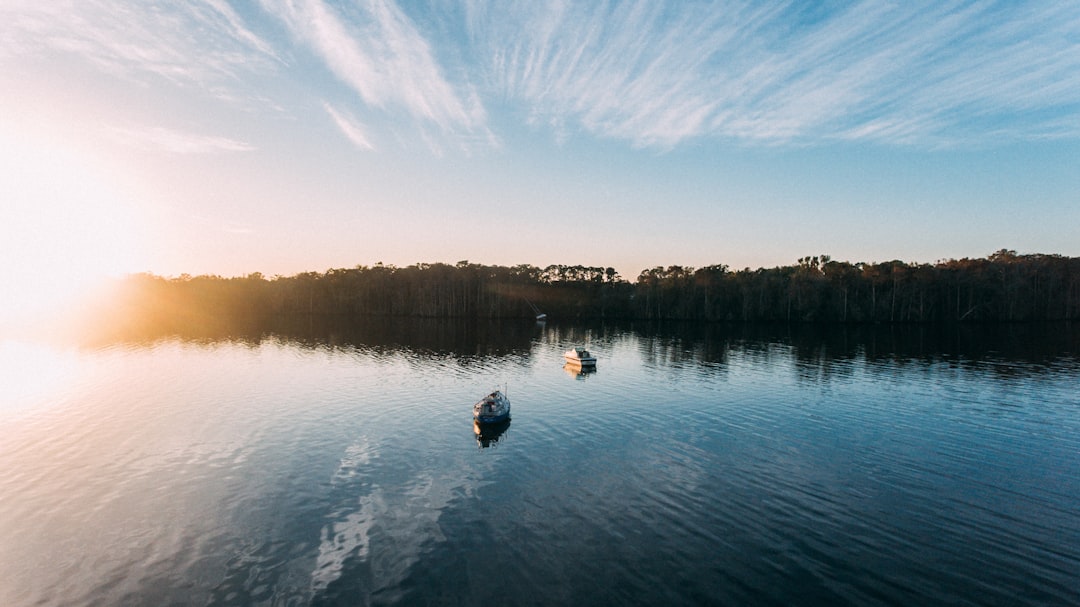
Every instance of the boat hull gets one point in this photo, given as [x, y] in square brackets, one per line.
[492, 419]
[492, 409]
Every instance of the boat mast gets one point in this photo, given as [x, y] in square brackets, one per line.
[539, 315]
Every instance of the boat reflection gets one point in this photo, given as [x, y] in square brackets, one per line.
[579, 372]
[488, 434]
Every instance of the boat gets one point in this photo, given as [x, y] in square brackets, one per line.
[492, 409]
[580, 356]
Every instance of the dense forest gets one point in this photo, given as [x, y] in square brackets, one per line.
[1003, 287]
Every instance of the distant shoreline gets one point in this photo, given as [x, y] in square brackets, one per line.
[1003, 287]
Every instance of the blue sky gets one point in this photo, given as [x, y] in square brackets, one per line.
[218, 137]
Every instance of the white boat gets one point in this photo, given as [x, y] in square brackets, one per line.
[579, 356]
[492, 409]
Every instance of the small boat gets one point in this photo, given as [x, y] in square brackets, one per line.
[492, 409]
[579, 356]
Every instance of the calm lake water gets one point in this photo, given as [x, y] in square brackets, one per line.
[696, 466]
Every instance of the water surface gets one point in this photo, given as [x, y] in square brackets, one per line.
[697, 465]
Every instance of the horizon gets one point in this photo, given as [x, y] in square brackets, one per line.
[824, 259]
[226, 138]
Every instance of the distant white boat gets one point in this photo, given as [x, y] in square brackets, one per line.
[579, 356]
[492, 409]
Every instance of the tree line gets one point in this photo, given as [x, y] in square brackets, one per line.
[1003, 287]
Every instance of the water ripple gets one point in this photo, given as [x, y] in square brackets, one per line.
[681, 472]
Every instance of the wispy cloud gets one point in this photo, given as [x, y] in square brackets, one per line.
[220, 12]
[657, 74]
[374, 49]
[161, 139]
[352, 129]
[193, 43]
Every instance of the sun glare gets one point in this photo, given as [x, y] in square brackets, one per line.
[32, 373]
[63, 229]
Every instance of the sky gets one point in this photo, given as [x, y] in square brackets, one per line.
[284, 136]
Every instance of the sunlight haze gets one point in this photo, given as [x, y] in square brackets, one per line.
[64, 228]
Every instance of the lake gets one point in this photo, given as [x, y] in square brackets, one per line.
[698, 465]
